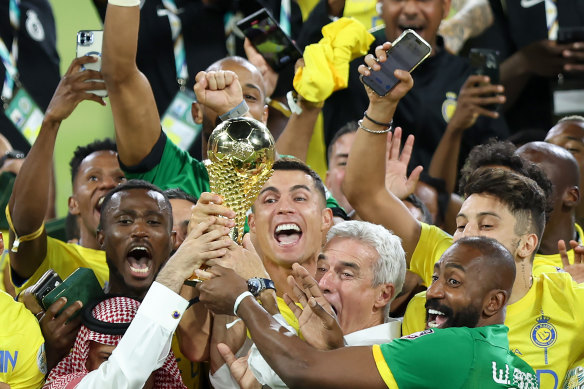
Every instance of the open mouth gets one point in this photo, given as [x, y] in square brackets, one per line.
[99, 204]
[436, 319]
[287, 234]
[417, 29]
[140, 261]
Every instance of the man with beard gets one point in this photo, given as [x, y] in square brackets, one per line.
[472, 281]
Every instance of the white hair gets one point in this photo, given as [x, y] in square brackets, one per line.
[390, 266]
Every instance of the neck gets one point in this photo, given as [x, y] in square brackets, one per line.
[560, 227]
[523, 280]
[88, 239]
[120, 288]
[279, 275]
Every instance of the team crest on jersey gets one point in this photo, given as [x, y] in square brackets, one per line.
[543, 334]
[34, 27]
[418, 334]
[574, 378]
[42, 359]
[449, 106]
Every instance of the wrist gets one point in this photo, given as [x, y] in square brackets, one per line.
[238, 111]
[381, 112]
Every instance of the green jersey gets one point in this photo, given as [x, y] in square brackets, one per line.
[457, 357]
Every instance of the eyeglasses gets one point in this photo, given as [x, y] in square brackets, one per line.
[13, 154]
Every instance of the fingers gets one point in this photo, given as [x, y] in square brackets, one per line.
[218, 80]
[578, 252]
[224, 349]
[563, 253]
[204, 275]
[77, 63]
[407, 150]
[54, 308]
[296, 310]
[318, 309]
[395, 144]
[308, 283]
[301, 297]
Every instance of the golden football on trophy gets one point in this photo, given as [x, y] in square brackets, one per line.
[241, 153]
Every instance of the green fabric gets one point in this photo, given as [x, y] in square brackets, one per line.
[457, 357]
[56, 229]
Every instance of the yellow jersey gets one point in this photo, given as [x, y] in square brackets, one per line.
[547, 263]
[65, 258]
[22, 347]
[3, 259]
[546, 327]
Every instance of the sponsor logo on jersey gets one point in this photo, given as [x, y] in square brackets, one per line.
[449, 106]
[8, 359]
[574, 378]
[518, 379]
[418, 334]
[34, 27]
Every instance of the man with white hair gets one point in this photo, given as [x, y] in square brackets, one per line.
[361, 269]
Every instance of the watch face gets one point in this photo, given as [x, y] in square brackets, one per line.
[254, 286]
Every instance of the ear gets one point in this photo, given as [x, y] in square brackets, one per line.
[385, 295]
[446, 8]
[571, 197]
[527, 245]
[265, 115]
[100, 238]
[73, 205]
[251, 222]
[327, 220]
[494, 302]
[326, 179]
[172, 239]
[197, 112]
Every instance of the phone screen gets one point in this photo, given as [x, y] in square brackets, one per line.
[269, 39]
[407, 52]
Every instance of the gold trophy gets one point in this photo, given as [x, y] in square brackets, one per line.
[241, 153]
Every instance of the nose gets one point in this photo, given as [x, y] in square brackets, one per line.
[435, 291]
[109, 182]
[410, 8]
[469, 230]
[285, 205]
[139, 229]
[326, 283]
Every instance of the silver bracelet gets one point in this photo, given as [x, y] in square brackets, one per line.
[361, 126]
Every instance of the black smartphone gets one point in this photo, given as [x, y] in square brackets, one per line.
[485, 62]
[406, 53]
[266, 35]
[48, 281]
[570, 34]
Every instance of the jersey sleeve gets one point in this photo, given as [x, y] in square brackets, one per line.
[428, 359]
[432, 244]
[167, 166]
[415, 316]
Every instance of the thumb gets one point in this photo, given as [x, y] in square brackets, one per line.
[226, 353]
[563, 253]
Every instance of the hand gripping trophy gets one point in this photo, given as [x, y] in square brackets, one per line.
[241, 153]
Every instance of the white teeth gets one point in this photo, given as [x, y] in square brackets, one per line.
[435, 312]
[143, 271]
[100, 201]
[283, 227]
[432, 324]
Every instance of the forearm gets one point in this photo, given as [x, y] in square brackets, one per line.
[194, 331]
[296, 136]
[444, 164]
[132, 100]
[234, 337]
[514, 75]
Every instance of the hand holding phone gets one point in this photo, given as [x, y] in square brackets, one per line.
[89, 43]
[485, 62]
[406, 53]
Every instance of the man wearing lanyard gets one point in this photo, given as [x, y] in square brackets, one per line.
[28, 37]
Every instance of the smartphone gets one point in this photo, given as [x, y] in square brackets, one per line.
[406, 53]
[266, 35]
[81, 285]
[485, 62]
[570, 34]
[48, 281]
[89, 43]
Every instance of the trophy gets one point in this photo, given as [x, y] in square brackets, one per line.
[241, 153]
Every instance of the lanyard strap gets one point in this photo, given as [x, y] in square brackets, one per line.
[180, 59]
[9, 58]
[551, 17]
[285, 12]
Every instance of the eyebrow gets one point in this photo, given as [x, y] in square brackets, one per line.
[254, 87]
[270, 189]
[480, 214]
[342, 155]
[456, 266]
[296, 187]
[351, 265]
[321, 256]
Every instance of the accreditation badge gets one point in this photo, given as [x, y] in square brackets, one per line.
[177, 122]
[25, 114]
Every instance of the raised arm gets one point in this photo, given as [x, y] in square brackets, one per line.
[131, 97]
[30, 195]
[364, 183]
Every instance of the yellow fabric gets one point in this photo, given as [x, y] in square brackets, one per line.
[3, 260]
[306, 7]
[190, 371]
[548, 263]
[327, 62]
[23, 362]
[364, 11]
[561, 300]
[316, 156]
[20, 239]
[288, 314]
[432, 244]
[384, 370]
[65, 258]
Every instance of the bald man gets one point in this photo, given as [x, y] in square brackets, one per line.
[467, 348]
[561, 168]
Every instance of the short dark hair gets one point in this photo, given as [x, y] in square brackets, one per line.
[127, 186]
[522, 195]
[290, 163]
[503, 153]
[81, 152]
[349, 128]
[416, 202]
[177, 193]
[499, 260]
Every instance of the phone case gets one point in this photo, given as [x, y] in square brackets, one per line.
[81, 285]
[48, 281]
[383, 81]
[266, 35]
[89, 42]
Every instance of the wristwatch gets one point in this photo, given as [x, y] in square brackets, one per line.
[257, 285]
